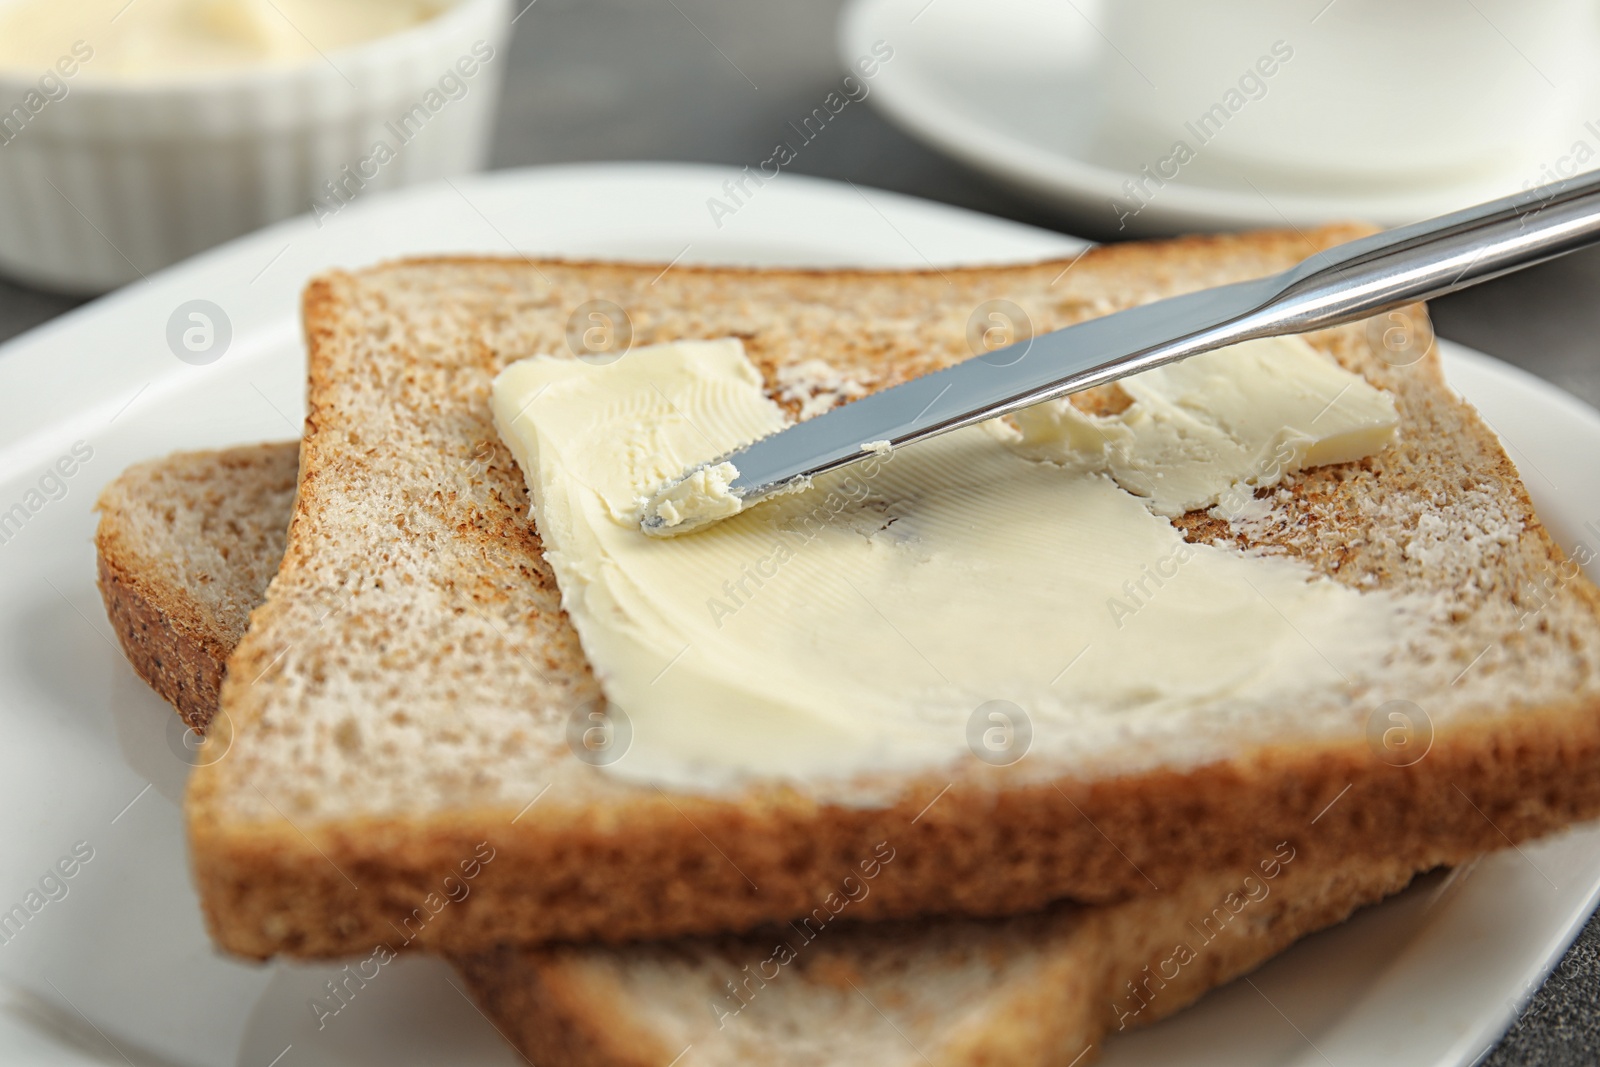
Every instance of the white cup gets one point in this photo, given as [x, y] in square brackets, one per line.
[1349, 93]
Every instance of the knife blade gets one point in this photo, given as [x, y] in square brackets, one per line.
[1363, 277]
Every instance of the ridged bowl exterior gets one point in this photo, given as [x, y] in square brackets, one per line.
[115, 180]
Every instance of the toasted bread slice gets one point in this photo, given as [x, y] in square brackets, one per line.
[1044, 988]
[186, 547]
[193, 532]
[402, 697]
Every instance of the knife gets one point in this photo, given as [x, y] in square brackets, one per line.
[1351, 281]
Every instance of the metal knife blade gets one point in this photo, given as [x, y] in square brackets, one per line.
[1362, 277]
[983, 387]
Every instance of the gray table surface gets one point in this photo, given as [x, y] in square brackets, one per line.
[661, 80]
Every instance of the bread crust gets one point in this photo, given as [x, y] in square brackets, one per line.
[556, 1013]
[1107, 841]
[614, 863]
[177, 644]
[1101, 973]
[182, 665]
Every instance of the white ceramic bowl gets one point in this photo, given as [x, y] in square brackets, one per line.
[103, 181]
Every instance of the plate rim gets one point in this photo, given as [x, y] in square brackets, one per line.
[125, 303]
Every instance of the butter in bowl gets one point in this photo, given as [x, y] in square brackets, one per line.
[133, 135]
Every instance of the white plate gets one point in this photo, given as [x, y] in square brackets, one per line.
[1009, 88]
[123, 959]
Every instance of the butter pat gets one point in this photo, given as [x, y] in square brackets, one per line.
[703, 497]
[857, 627]
[1245, 415]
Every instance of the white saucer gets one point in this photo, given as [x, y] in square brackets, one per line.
[1008, 87]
